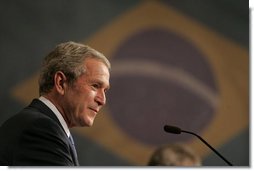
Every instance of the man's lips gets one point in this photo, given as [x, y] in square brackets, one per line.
[95, 110]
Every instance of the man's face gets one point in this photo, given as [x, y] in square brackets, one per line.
[84, 99]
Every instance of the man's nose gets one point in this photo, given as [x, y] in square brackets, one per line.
[100, 98]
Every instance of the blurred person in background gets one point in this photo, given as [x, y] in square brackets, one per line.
[174, 155]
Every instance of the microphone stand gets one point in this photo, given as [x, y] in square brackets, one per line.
[230, 164]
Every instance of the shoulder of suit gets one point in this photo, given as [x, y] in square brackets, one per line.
[27, 118]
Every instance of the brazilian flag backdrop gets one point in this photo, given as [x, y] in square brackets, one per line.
[179, 62]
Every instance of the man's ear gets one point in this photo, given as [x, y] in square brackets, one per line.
[60, 81]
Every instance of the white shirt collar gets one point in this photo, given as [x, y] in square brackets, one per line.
[57, 113]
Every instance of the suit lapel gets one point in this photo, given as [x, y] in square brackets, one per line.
[44, 109]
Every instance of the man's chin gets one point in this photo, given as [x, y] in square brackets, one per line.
[88, 123]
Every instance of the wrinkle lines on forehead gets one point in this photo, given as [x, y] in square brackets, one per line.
[96, 72]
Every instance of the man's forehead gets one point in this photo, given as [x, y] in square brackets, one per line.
[96, 65]
[96, 60]
[99, 77]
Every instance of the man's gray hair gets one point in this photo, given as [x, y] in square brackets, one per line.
[67, 57]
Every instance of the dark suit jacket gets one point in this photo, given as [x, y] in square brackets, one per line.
[35, 137]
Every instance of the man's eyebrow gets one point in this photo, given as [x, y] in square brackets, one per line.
[102, 84]
[108, 86]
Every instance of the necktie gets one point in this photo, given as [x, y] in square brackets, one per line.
[74, 151]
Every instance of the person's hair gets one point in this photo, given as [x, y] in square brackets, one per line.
[172, 155]
[68, 58]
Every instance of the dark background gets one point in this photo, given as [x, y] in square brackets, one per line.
[31, 28]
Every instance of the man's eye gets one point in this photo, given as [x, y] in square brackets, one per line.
[105, 90]
[96, 86]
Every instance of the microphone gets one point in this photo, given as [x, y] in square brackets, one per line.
[176, 130]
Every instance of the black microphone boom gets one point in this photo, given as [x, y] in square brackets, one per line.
[176, 130]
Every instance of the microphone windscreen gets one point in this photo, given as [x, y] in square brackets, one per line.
[172, 129]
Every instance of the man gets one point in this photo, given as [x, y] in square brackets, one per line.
[72, 85]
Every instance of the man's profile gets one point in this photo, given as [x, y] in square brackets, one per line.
[72, 85]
